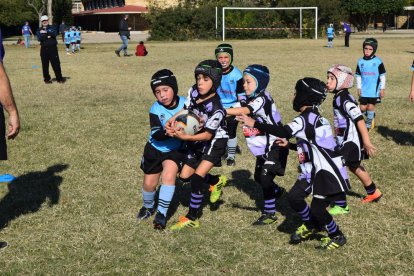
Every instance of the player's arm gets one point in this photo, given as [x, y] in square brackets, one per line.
[358, 80]
[382, 73]
[362, 128]
[234, 111]
[7, 100]
[411, 95]
[277, 130]
[157, 131]
[202, 136]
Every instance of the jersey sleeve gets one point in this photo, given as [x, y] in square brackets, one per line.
[353, 111]
[277, 130]
[358, 71]
[412, 66]
[255, 105]
[298, 124]
[214, 121]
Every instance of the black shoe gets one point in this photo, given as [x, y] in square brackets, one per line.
[3, 244]
[266, 219]
[160, 221]
[329, 243]
[302, 233]
[63, 80]
[230, 161]
[145, 213]
[238, 149]
[48, 81]
[280, 192]
[127, 55]
[117, 53]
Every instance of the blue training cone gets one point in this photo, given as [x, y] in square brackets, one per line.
[7, 178]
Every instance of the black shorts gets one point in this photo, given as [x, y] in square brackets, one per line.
[366, 100]
[353, 155]
[151, 162]
[211, 151]
[330, 39]
[3, 145]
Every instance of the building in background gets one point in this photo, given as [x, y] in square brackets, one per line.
[104, 15]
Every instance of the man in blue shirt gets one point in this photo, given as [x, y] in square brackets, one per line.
[26, 32]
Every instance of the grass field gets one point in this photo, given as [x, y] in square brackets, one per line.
[72, 208]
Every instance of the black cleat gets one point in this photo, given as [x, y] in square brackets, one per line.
[160, 221]
[145, 213]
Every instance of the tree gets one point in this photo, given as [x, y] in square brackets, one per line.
[361, 12]
[49, 11]
[38, 6]
[14, 12]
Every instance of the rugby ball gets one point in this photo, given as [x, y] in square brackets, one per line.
[189, 122]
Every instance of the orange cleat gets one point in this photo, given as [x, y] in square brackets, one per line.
[373, 198]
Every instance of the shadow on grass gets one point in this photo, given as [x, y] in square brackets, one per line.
[398, 136]
[241, 179]
[28, 192]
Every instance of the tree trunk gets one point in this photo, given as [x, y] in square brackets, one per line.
[49, 11]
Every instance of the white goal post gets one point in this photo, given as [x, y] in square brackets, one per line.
[264, 8]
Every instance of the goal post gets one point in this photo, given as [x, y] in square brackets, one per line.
[300, 9]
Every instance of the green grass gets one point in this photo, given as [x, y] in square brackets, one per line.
[78, 216]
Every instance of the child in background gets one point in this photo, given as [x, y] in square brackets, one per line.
[231, 94]
[78, 38]
[140, 50]
[351, 133]
[323, 173]
[205, 148]
[330, 33]
[67, 41]
[370, 76]
[162, 156]
[72, 39]
[270, 158]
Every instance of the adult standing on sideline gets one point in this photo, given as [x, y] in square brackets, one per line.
[62, 30]
[48, 50]
[124, 34]
[26, 32]
[6, 101]
[347, 30]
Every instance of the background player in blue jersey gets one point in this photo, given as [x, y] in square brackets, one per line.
[26, 32]
[330, 33]
[67, 41]
[78, 38]
[370, 75]
[321, 165]
[72, 38]
[411, 95]
[162, 156]
[231, 94]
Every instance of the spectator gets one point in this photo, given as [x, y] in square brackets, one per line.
[26, 32]
[48, 50]
[347, 30]
[62, 30]
[125, 36]
[140, 50]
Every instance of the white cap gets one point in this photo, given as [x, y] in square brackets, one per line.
[44, 18]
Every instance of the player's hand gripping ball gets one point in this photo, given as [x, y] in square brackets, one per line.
[189, 122]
